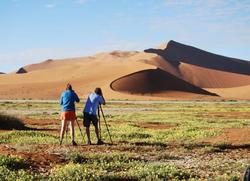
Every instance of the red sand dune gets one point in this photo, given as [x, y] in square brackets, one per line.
[176, 53]
[39, 66]
[176, 72]
[200, 76]
[234, 92]
[210, 78]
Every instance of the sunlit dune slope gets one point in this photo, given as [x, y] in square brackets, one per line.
[47, 79]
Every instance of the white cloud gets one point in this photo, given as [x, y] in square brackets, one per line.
[80, 1]
[49, 6]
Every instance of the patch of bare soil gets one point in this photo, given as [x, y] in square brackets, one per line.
[155, 125]
[41, 122]
[227, 115]
[41, 160]
[234, 136]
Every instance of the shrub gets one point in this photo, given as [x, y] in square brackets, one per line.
[12, 163]
[10, 122]
[9, 175]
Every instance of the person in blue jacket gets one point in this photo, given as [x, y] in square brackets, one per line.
[90, 113]
[67, 102]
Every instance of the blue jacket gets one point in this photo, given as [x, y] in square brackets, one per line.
[93, 101]
[68, 99]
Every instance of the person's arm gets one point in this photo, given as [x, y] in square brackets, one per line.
[102, 100]
[76, 98]
[61, 100]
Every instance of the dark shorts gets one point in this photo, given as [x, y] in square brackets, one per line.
[88, 118]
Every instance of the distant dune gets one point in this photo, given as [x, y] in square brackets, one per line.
[21, 71]
[173, 71]
[2, 73]
[175, 53]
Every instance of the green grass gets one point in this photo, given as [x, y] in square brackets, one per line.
[140, 152]
[14, 168]
[12, 163]
[28, 137]
[115, 166]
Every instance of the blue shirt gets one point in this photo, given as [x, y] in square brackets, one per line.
[68, 99]
[92, 103]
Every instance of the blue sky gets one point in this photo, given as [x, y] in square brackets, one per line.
[34, 30]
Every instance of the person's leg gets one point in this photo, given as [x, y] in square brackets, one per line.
[63, 128]
[72, 131]
[88, 135]
[95, 123]
[97, 132]
[86, 124]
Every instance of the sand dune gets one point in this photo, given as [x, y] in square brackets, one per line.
[176, 53]
[201, 68]
[234, 92]
[21, 71]
[210, 78]
[176, 72]
[39, 66]
[47, 79]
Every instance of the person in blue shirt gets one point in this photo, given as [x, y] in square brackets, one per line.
[67, 102]
[90, 113]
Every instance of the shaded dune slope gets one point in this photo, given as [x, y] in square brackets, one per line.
[154, 81]
[21, 71]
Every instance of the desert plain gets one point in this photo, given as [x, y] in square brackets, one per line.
[174, 113]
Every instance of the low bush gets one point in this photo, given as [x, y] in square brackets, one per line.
[10, 122]
[22, 175]
[12, 163]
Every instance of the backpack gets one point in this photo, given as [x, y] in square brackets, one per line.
[247, 174]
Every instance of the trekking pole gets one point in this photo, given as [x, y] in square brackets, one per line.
[66, 140]
[80, 130]
[99, 122]
[106, 124]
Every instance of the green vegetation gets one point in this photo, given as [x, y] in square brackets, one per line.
[28, 137]
[14, 168]
[168, 140]
[12, 163]
[115, 167]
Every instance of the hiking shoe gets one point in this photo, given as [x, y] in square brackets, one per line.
[74, 143]
[100, 142]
